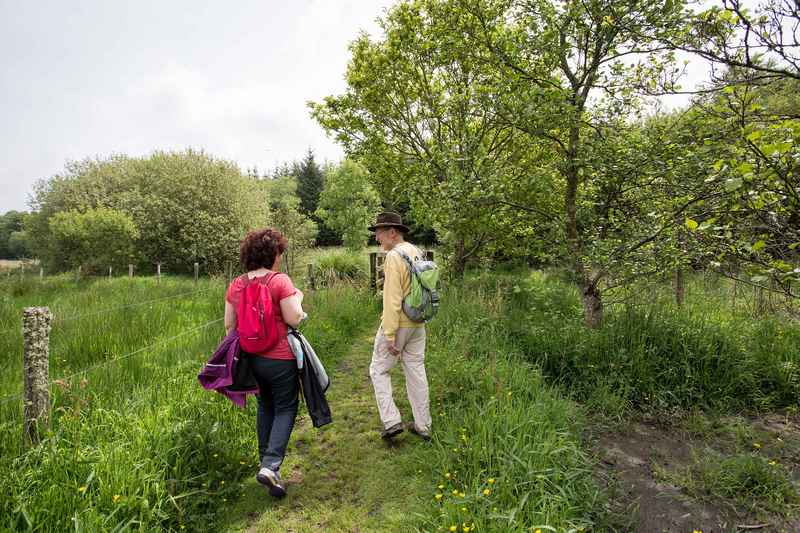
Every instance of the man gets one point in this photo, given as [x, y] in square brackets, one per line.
[398, 338]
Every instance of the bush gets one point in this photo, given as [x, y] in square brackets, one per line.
[340, 266]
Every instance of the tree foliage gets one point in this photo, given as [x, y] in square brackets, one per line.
[186, 206]
[94, 239]
[349, 203]
[286, 215]
[13, 238]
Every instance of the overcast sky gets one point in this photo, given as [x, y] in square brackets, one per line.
[91, 78]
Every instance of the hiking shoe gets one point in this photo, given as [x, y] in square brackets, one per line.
[391, 431]
[272, 480]
[421, 433]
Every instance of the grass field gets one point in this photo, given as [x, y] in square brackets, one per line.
[538, 423]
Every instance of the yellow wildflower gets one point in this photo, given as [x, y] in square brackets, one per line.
[463, 509]
[448, 475]
[439, 496]
[486, 492]
[756, 445]
[491, 481]
[461, 494]
[82, 488]
[222, 482]
[116, 498]
[453, 528]
[697, 531]
[773, 463]
[440, 487]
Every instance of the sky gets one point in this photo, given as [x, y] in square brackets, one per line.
[90, 78]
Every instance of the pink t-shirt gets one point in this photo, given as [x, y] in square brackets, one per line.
[280, 287]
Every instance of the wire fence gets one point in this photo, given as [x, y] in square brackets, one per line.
[108, 362]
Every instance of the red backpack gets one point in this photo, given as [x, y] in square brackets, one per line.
[255, 320]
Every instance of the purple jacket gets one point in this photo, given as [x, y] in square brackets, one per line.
[219, 372]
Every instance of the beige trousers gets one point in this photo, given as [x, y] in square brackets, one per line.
[411, 343]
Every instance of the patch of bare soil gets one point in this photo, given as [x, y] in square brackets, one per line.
[628, 465]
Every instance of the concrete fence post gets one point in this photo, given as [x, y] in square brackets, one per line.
[158, 272]
[36, 322]
[130, 270]
[196, 272]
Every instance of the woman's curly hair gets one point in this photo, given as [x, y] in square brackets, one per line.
[260, 248]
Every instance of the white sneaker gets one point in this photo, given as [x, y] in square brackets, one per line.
[272, 480]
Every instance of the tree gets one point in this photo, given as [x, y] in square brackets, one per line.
[94, 239]
[187, 206]
[349, 203]
[19, 245]
[285, 215]
[753, 230]
[569, 74]
[418, 112]
[310, 182]
[12, 223]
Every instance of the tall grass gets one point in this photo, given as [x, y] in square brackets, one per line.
[506, 454]
[654, 355]
[137, 443]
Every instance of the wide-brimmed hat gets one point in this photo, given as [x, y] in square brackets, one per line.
[388, 219]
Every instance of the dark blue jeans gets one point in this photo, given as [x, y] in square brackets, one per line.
[277, 407]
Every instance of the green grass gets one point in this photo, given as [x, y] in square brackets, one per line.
[749, 482]
[137, 442]
[656, 356]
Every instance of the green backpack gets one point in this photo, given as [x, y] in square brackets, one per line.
[422, 302]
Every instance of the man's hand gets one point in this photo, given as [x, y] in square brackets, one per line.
[389, 345]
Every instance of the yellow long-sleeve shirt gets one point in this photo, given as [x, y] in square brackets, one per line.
[396, 285]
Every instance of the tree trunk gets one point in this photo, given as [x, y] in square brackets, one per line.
[680, 288]
[459, 263]
[590, 295]
[592, 306]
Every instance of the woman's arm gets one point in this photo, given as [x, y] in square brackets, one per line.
[230, 317]
[292, 309]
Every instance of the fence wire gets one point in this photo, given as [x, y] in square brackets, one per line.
[12, 397]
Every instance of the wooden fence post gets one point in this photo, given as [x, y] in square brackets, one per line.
[36, 323]
[130, 270]
[158, 272]
[312, 282]
[679, 286]
[196, 272]
[78, 275]
[41, 272]
[109, 272]
[373, 272]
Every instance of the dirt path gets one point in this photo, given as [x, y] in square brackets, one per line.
[342, 477]
[647, 469]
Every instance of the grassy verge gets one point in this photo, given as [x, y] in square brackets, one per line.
[507, 453]
[138, 443]
[657, 357]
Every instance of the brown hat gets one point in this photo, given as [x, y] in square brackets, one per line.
[388, 219]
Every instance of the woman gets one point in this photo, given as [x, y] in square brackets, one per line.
[275, 370]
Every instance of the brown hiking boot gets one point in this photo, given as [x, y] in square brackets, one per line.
[392, 431]
[423, 434]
